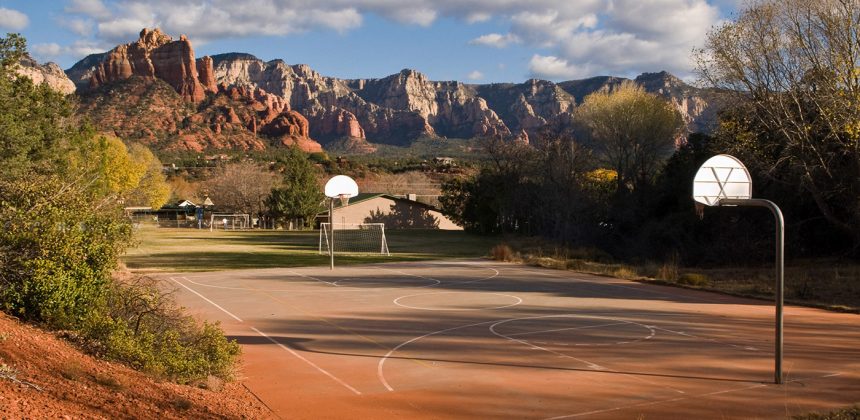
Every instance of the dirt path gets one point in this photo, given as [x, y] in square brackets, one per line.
[43, 377]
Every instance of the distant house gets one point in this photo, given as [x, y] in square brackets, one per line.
[395, 212]
[443, 160]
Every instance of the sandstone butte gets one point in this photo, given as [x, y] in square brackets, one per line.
[157, 55]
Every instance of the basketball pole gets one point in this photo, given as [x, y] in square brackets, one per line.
[780, 270]
[331, 230]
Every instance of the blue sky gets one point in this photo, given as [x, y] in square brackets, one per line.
[477, 41]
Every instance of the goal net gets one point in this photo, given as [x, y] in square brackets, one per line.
[229, 221]
[354, 238]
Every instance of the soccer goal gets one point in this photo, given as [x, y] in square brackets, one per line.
[353, 238]
[229, 221]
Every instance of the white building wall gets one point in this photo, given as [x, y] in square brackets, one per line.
[378, 209]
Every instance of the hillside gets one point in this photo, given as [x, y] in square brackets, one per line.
[42, 376]
[237, 101]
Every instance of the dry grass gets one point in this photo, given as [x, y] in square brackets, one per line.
[503, 252]
[820, 283]
[848, 413]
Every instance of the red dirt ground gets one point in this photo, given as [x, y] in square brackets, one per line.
[52, 379]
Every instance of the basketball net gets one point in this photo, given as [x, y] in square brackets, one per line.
[344, 200]
[700, 210]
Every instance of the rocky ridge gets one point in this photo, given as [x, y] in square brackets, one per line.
[49, 73]
[293, 104]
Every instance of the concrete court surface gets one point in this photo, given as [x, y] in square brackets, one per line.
[482, 339]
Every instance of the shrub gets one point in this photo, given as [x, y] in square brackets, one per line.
[693, 279]
[502, 252]
[143, 327]
[669, 270]
[57, 249]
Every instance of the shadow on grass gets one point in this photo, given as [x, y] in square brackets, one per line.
[202, 250]
[209, 261]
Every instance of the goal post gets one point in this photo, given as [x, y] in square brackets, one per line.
[354, 238]
[229, 221]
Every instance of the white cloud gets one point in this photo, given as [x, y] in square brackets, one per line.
[81, 27]
[82, 48]
[123, 30]
[620, 37]
[93, 8]
[422, 16]
[13, 20]
[475, 75]
[496, 40]
[47, 50]
[553, 67]
[478, 17]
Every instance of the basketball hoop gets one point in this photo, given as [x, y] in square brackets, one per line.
[344, 199]
[723, 181]
[341, 187]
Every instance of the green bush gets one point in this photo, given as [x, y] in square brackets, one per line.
[58, 250]
[143, 327]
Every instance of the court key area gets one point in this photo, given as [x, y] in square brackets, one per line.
[483, 339]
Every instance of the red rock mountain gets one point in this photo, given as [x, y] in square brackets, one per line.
[157, 55]
[121, 91]
[236, 100]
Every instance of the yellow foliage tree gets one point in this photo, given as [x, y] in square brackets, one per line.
[116, 171]
[632, 130]
[153, 189]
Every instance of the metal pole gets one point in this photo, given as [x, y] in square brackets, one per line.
[780, 271]
[331, 230]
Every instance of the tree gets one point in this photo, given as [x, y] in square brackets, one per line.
[632, 131]
[34, 120]
[58, 247]
[300, 193]
[791, 69]
[240, 187]
[128, 174]
[152, 189]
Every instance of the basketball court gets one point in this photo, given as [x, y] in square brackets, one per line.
[482, 339]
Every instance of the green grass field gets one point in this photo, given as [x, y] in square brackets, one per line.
[164, 249]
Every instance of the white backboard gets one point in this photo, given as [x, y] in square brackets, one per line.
[340, 185]
[721, 176]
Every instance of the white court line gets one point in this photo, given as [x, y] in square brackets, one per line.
[396, 301]
[712, 340]
[567, 329]
[660, 295]
[309, 277]
[590, 365]
[386, 282]
[495, 274]
[379, 372]
[291, 351]
[323, 371]
[437, 281]
[347, 289]
[709, 394]
[207, 299]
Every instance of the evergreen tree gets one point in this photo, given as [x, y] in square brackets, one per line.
[300, 195]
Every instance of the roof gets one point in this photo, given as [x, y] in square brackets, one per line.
[370, 196]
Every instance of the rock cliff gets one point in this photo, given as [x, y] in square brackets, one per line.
[155, 55]
[48, 73]
[293, 104]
